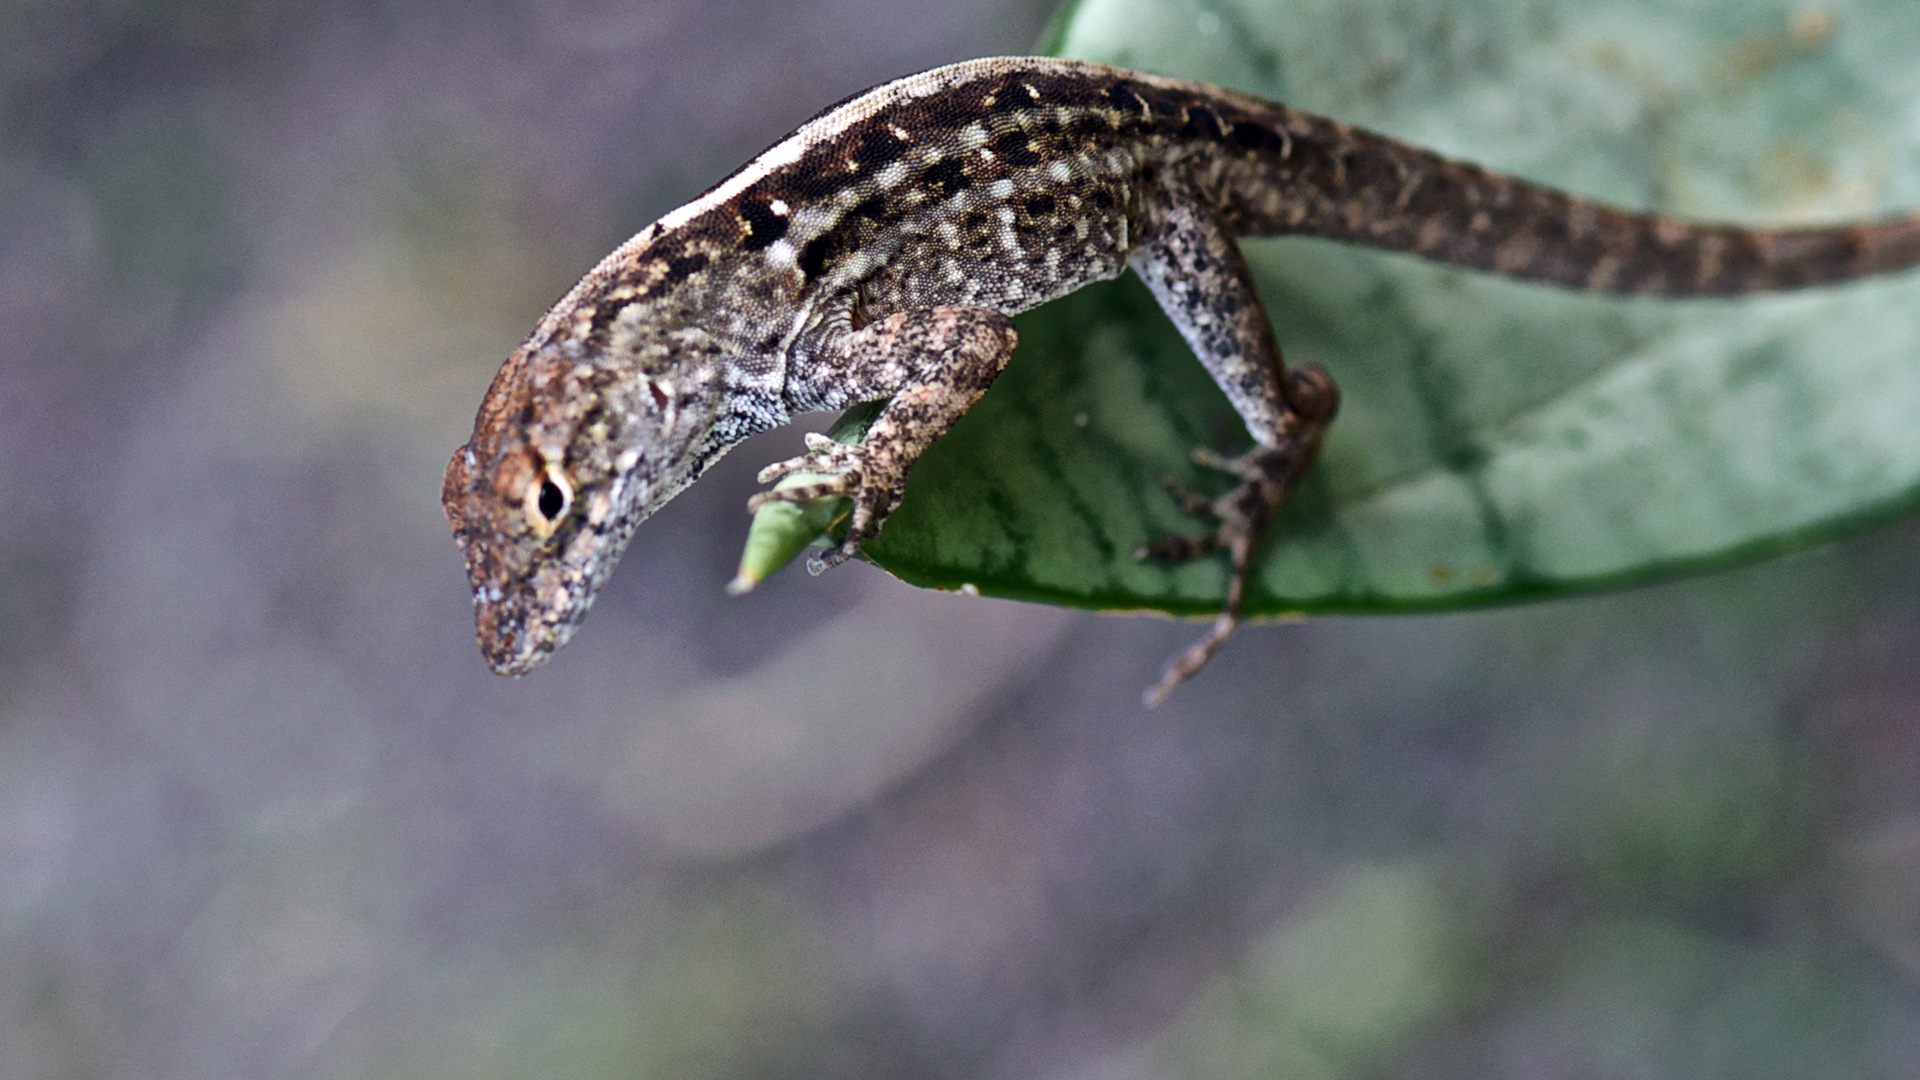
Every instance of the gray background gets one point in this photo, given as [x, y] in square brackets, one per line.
[264, 814]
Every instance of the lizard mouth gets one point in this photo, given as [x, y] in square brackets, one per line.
[511, 647]
[513, 665]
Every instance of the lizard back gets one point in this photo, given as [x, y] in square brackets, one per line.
[1007, 182]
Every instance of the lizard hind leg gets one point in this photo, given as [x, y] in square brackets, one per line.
[1195, 271]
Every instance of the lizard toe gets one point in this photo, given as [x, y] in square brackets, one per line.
[801, 494]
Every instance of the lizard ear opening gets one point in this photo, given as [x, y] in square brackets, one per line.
[663, 404]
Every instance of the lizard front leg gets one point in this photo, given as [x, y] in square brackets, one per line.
[932, 365]
[1195, 271]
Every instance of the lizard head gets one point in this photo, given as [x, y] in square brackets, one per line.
[571, 451]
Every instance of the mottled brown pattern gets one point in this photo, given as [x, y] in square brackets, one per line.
[878, 252]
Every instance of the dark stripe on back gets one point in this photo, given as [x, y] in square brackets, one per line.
[763, 225]
[682, 267]
[1098, 112]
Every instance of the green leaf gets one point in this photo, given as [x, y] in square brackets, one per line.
[1497, 440]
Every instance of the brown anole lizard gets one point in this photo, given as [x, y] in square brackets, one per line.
[879, 252]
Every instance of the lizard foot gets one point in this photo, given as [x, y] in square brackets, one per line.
[872, 478]
[1266, 474]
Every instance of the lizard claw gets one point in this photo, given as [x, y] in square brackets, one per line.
[823, 456]
[1198, 505]
[1267, 474]
[801, 494]
[830, 558]
[1243, 466]
[875, 483]
[1192, 659]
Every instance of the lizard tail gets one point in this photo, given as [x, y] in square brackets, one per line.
[1360, 188]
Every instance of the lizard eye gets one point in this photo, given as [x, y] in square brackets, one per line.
[548, 500]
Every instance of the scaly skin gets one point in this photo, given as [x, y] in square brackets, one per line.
[880, 250]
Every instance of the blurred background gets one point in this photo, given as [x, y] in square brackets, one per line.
[264, 813]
